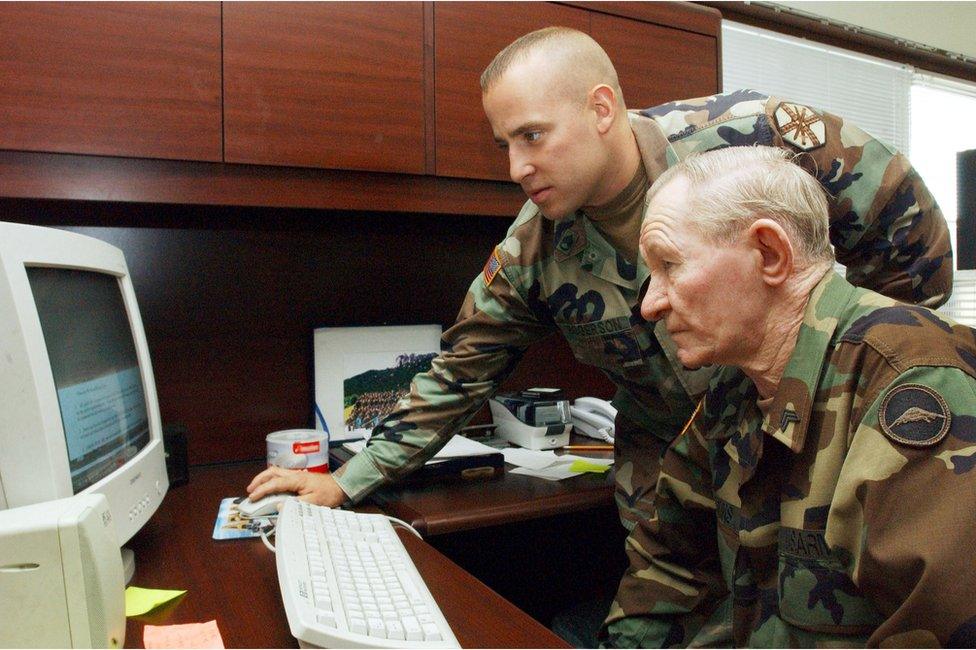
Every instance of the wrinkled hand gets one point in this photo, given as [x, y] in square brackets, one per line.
[320, 489]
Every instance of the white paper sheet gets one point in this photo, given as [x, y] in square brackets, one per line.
[456, 447]
[559, 469]
[529, 458]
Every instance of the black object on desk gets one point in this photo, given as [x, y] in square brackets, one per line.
[461, 468]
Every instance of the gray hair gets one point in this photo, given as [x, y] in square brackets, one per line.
[583, 55]
[732, 187]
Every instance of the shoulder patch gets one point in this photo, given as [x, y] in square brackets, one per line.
[801, 126]
[492, 266]
[914, 415]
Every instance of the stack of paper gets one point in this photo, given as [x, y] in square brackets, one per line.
[547, 465]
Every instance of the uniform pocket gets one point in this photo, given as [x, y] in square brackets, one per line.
[815, 592]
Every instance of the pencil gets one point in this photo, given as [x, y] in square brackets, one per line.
[588, 447]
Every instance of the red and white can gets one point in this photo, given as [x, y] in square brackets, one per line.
[306, 449]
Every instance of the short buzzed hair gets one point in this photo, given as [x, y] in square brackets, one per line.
[584, 54]
[732, 187]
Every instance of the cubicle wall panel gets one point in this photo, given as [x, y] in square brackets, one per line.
[138, 79]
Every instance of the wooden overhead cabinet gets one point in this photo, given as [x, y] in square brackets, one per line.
[336, 85]
[135, 79]
[657, 63]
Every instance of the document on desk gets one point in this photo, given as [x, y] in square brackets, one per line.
[456, 447]
[547, 465]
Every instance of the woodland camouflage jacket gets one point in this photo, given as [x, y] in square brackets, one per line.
[843, 516]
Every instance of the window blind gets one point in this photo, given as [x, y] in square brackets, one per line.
[872, 93]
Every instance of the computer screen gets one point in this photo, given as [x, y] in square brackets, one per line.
[78, 409]
[95, 370]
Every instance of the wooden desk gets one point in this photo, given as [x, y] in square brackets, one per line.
[449, 507]
[236, 582]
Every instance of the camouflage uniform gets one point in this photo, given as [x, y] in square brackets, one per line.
[546, 277]
[843, 516]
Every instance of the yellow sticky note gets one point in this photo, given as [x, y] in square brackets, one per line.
[190, 635]
[139, 601]
[583, 466]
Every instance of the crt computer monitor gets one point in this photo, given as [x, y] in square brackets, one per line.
[78, 409]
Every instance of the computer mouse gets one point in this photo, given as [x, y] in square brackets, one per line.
[263, 507]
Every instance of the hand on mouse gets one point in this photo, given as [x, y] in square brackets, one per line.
[320, 489]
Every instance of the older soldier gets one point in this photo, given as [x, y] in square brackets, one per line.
[570, 265]
[825, 493]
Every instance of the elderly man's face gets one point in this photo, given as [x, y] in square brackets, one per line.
[554, 151]
[709, 296]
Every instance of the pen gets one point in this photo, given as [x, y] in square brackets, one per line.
[588, 447]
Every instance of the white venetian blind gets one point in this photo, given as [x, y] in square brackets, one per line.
[874, 94]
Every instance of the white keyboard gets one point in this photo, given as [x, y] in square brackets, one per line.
[347, 582]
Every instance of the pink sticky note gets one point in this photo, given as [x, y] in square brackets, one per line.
[190, 635]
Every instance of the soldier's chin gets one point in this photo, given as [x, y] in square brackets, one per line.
[690, 362]
[555, 214]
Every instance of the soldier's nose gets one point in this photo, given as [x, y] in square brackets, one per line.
[655, 304]
[519, 168]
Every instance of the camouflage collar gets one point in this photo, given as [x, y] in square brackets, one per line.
[652, 143]
[731, 395]
[789, 415]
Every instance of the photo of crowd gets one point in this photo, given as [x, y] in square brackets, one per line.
[371, 395]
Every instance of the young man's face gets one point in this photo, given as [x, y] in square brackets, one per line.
[554, 148]
[709, 295]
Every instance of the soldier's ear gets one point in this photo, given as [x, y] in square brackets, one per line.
[603, 101]
[775, 252]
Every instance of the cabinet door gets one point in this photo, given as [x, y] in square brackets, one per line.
[113, 78]
[657, 64]
[467, 36]
[331, 84]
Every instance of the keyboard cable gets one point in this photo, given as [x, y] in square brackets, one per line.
[266, 534]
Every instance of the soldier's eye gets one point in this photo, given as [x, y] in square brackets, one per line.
[533, 136]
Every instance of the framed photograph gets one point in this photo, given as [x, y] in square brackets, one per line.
[361, 372]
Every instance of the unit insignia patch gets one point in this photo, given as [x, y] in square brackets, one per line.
[914, 415]
[801, 126]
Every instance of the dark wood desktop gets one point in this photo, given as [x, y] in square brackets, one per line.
[235, 581]
[450, 506]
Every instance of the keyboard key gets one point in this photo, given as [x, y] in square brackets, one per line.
[412, 628]
[431, 632]
[376, 627]
[357, 625]
[394, 630]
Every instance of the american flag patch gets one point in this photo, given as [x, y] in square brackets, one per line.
[492, 267]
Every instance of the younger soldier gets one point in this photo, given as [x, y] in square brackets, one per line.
[824, 495]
